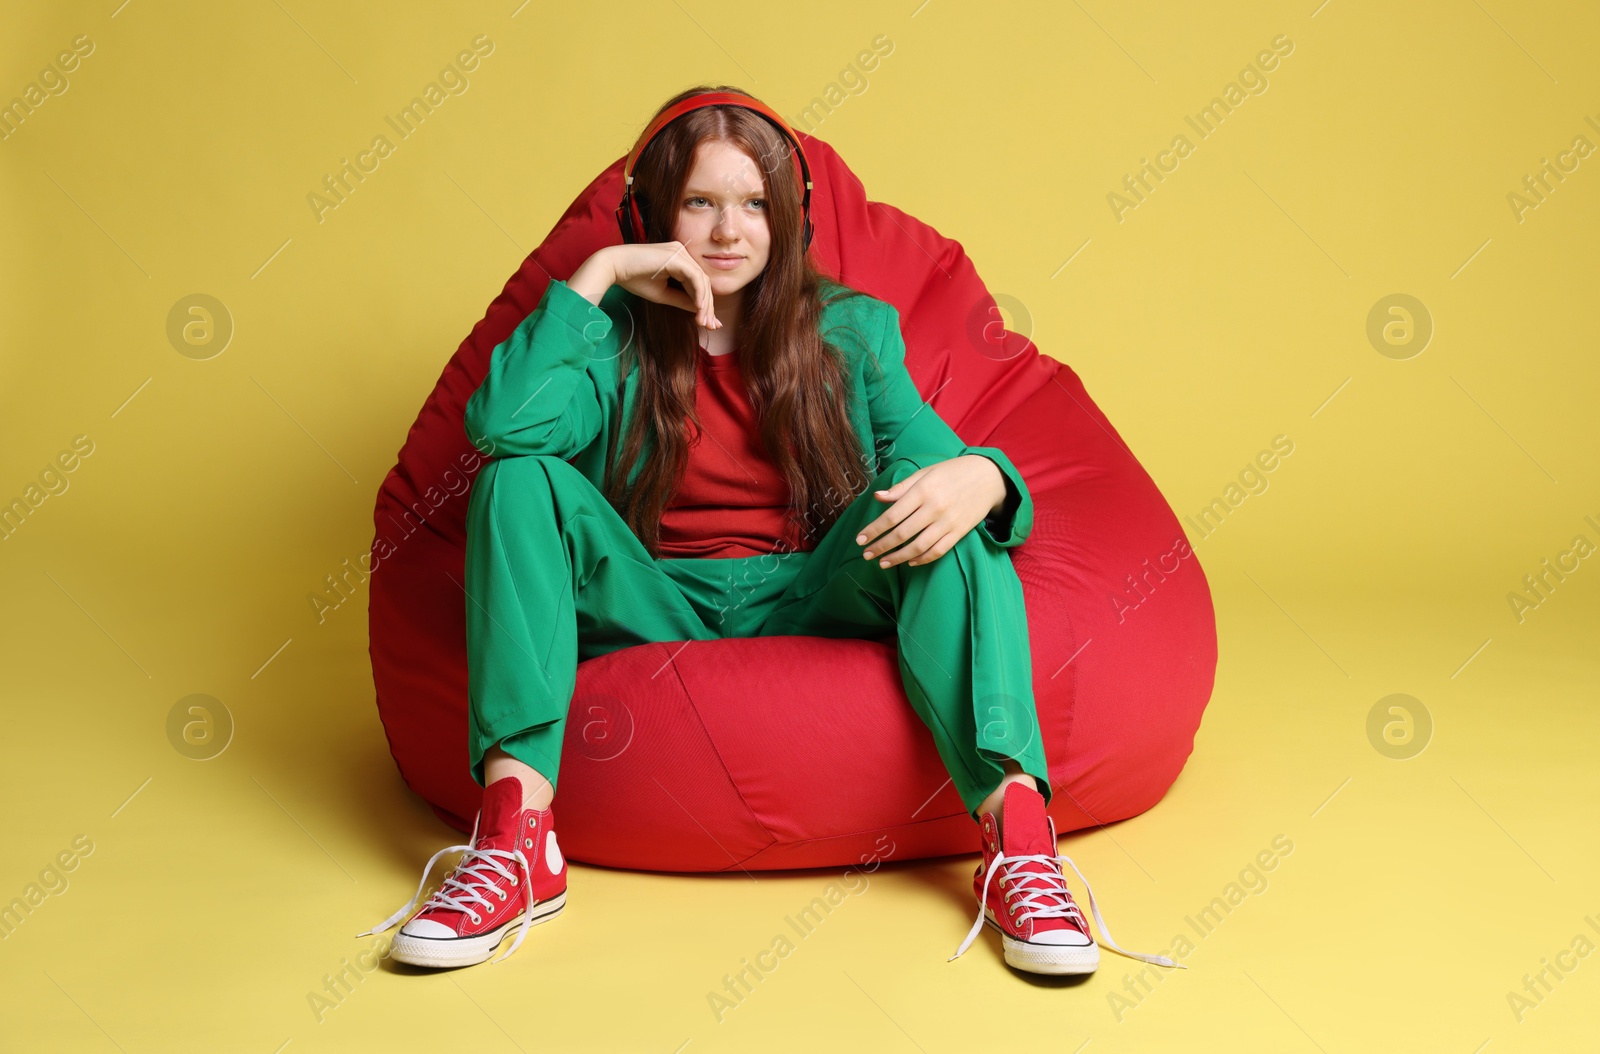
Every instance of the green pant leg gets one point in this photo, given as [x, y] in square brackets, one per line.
[553, 576]
[962, 637]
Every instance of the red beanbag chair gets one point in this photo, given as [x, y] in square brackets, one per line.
[779, 752]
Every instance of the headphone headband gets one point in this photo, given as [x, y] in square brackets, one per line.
[629, 218]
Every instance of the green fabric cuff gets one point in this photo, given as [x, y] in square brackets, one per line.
[561, 301]
[1011, 525]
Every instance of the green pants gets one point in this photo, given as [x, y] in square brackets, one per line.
[554, 575]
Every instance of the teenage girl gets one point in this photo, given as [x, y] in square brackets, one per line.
[711, 383]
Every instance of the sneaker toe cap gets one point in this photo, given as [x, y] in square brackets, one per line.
[427, 928]
[1066, 937]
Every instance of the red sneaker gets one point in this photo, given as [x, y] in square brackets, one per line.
[489, 890]
[1041, 928]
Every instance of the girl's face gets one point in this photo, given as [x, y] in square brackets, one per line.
[722, 216]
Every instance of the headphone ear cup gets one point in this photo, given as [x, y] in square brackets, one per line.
[637, 213]
[629, 222]
[622, 220]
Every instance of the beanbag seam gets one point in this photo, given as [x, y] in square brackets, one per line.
[772, 839]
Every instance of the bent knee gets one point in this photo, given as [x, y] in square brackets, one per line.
[532, 468]
[508, 490]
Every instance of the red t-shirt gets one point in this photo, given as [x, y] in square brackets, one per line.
[732, 501]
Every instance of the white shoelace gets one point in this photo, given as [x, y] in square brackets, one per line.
[1051, 884]
[471, 888]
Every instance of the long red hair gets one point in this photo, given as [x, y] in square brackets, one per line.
[798, 382]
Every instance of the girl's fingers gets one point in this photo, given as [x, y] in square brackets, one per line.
[927, 556]
[674, 298]
[908, 552]
[692, 298]
[694, 275]
[708, 314]
[697, 296]
[904, 485]
[916, 523]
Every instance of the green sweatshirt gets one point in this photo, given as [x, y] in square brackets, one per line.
[552, 388]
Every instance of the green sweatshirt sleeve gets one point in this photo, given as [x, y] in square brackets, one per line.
[902, 422]
[538, 396]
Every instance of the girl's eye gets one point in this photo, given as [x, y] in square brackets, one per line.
[697, 201]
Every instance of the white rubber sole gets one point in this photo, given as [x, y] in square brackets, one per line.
[468, 951]
[1046, 958]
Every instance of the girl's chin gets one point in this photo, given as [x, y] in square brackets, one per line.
[724, 284]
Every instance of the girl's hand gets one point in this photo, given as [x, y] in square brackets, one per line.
[644, 270]
[933, 509]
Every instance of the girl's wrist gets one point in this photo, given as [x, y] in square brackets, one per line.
[593, 278]
[1000, 477]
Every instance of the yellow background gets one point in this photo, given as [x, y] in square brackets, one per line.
[1224, 310]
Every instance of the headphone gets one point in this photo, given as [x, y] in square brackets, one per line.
[629, 217]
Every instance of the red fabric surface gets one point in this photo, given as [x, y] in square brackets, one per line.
[804, 751]
[732, 500]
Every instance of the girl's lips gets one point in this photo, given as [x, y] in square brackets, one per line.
[724, 263]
